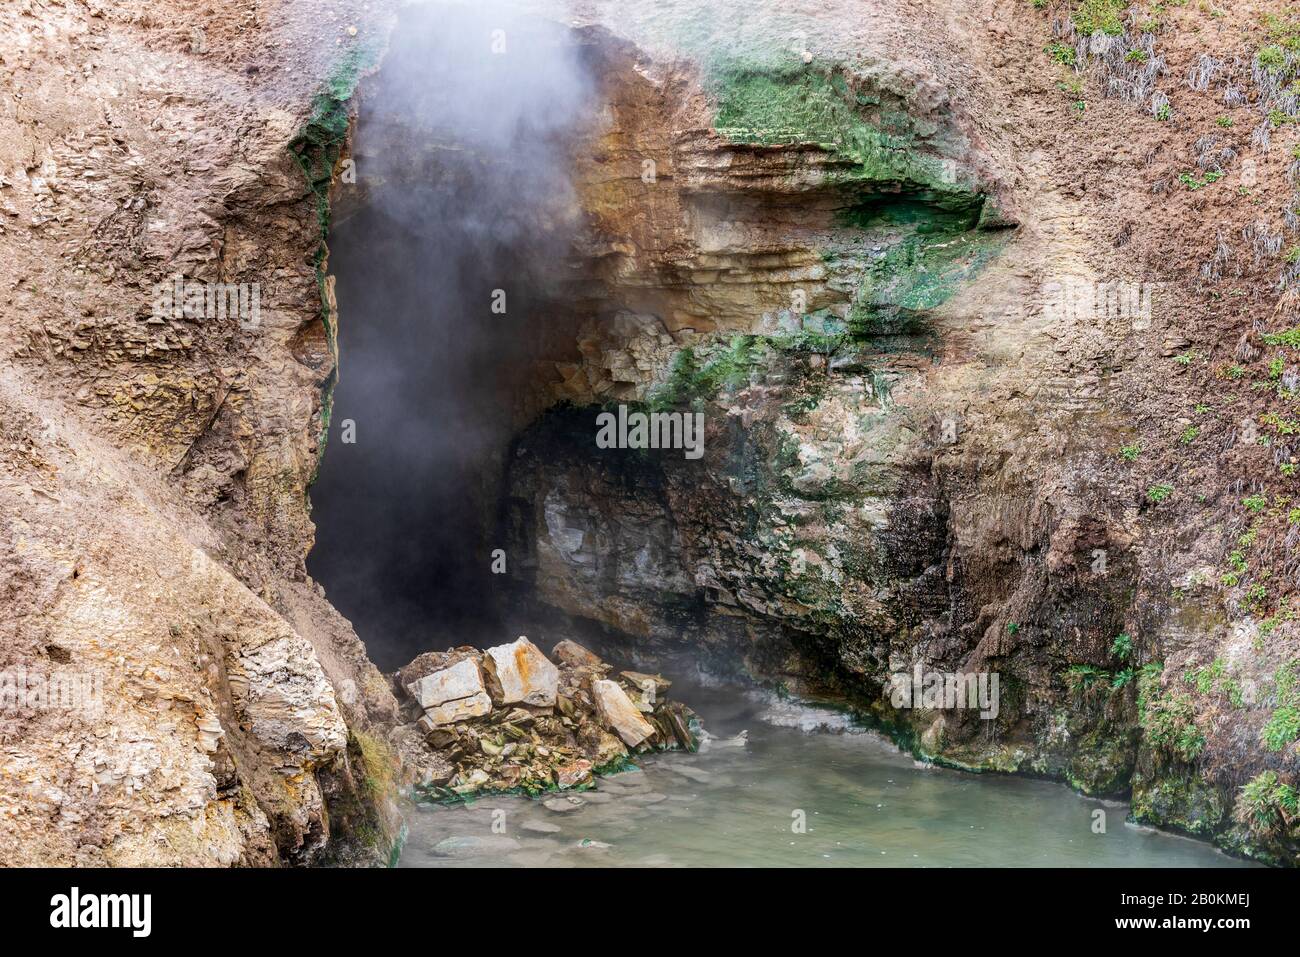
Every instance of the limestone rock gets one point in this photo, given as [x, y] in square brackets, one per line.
[451, 695]
[616, 710]
[461, 680]
[571, 653]
[518, 673]
[458, 710]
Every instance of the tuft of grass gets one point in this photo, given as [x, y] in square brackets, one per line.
[1100, 16]
[378, 760]
[1282, 728]
[1086, 677]
[1265, 803]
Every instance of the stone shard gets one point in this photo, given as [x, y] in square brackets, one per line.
[451, 695]
[518, 673]
[617, 712]
[461, 680]
[572, 653]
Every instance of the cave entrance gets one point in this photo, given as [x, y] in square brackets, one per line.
[449, 257]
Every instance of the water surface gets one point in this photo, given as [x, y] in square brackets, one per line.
[741, 800]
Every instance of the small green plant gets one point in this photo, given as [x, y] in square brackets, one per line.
[1204, 679]
[1136, 56]
[1265, 803]
[1189, 434]
[1085, 677]
[1272, 58]
[1164, 113]
[1255, 503]
[1122, 647]
[1282, 728]
[1122, 678]
[1159, 492]
[1062, 53]
[1192, 183]
[1129, 453]
[1224, 121]
[1289, 338]
[1169, 720]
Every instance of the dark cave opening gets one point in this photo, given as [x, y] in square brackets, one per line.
[449, 261]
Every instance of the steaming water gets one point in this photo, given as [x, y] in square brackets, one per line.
[866, 805]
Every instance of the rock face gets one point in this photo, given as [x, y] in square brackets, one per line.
[153, 463]
[520, 674]
[928, 440]
[1048, 452]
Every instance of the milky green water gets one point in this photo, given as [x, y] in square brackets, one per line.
[786, 794]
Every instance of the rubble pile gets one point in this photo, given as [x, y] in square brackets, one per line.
[509, 718]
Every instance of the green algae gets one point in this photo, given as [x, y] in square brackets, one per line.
[317, 149]
[914, 277]
[794, 103]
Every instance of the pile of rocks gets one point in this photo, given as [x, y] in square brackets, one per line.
[510, 718]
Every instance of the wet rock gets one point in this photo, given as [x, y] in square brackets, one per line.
[698, 775]
[468, 783]
[649, 797]
[574, 774]
[617, 712]
[473, 846]
[518, 673]
[563, 805]
[540, 827]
